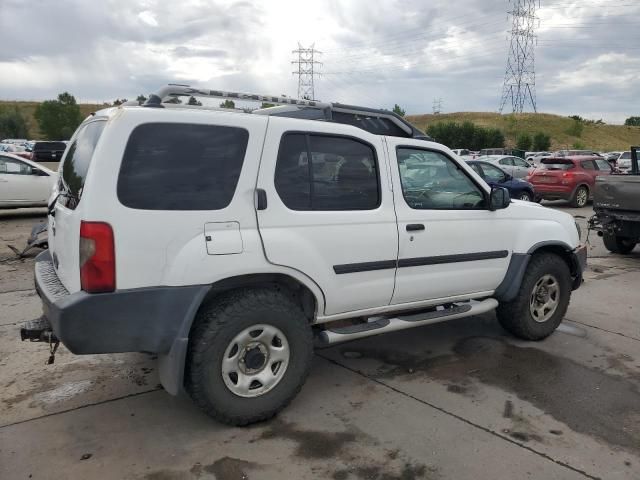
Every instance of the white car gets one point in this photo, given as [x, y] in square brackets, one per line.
[229, 242]
[623, 162]
[514, 166]
[24, 183]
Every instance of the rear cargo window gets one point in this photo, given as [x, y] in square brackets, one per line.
[49, 146]
[557, 164]
[171, 166]
[76, 163]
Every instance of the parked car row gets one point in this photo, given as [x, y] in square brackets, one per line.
[38, 151]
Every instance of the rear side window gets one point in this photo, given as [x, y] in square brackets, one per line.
[177, 166]
[323, 172]
[588, 165]
[77, 161]
[49, 146]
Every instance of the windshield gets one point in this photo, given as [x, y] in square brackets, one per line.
[625, 156]
[556, 164]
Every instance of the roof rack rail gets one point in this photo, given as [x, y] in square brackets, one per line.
[377, 121]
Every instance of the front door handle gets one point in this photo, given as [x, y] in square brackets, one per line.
[414, 227]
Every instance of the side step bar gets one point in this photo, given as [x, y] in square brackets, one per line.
[377, 325]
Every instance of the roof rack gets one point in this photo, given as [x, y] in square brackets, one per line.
[377, 121]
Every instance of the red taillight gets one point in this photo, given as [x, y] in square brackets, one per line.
[97, 257]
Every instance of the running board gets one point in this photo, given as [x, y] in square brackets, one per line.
[377, 325]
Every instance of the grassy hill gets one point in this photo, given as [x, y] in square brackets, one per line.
[593, 136]
[596, 137]
[29, 108]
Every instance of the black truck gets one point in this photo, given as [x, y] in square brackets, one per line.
[616, 202]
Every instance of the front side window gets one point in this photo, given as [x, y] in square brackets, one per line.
[431, 180]
[178, 166]
[506, 161]
[518, 162]
[603, 165]
[493, 174]
[10, 166]
[324, 172]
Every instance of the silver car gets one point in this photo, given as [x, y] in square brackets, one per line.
[514, 166]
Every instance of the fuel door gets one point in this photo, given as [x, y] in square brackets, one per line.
[223, 238]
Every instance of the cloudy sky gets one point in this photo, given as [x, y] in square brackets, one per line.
[375, 53]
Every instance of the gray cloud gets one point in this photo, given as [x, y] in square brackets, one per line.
[375, 53]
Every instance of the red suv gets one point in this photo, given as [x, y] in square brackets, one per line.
[568, 178]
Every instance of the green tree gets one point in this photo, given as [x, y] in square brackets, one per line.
[632, 122]
[141, 99]
[119, 101]
[523, 141]
[541, 142]
[398, 110]
[465, 135]
[228, 104]
[576, 127]
[58, 119]
[12, 123]
[194, 101]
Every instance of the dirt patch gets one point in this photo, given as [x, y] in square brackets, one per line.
[228, 468]
[311, 443]
[406, 471]
[588, 400]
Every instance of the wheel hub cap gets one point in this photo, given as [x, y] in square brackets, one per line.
[255, 360]
[544, 298]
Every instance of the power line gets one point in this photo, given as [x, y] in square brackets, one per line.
[306, 72]
[519, 85]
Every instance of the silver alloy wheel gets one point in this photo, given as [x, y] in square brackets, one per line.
[582, 197]
[525, 196]
[255, 360]
[544, 298]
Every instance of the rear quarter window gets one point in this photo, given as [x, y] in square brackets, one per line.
[76, 163]
[171, 166]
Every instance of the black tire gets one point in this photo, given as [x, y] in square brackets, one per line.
[580, 197]
[526, 196]
[217, 324]
[617, 244]
[516, 317]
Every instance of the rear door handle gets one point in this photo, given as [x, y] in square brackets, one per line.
[414, 227]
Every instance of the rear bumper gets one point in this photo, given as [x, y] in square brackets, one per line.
[145, 319]
[554, 192]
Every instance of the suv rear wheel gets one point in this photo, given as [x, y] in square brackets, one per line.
[249, 355]
[617, 244]
[581, 197]
[543, 299]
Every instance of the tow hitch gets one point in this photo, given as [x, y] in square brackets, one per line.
[39, 330]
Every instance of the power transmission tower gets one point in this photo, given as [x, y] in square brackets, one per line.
[306, 72]
[437, 106]
[519, 87]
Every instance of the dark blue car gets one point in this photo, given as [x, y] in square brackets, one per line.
[494, 175]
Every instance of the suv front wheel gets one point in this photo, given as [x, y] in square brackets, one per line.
[542, 301]
[249, 355]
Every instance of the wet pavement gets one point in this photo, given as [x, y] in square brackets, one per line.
[457, 400]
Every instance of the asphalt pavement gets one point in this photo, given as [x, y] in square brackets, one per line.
[456, 400]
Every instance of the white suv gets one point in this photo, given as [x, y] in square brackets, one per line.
[229, 243]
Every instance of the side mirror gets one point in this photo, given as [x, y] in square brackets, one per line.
[499, 198]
